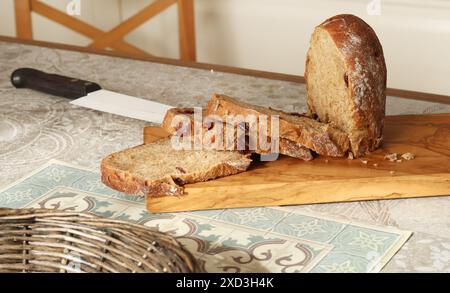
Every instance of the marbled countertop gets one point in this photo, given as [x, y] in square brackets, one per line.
[35, 128]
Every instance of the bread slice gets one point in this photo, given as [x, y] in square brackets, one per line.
[167, 123]
[346, 80]
[286, 146]
[322, 138]
[157, 169]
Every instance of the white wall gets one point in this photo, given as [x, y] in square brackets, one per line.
[273, 35]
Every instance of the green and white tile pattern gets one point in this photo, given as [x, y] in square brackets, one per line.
[235, 240]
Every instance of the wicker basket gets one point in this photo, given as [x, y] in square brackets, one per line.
[38, 240]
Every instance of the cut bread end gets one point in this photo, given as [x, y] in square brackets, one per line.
[346, 80]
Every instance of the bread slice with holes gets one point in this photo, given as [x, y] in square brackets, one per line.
[158, 169]
[346, 80]
[174, 127]
[322, 138]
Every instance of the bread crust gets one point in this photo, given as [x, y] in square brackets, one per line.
[322, 138]
[367, 75]
[171, 113]
[286, 147]
[124, 181]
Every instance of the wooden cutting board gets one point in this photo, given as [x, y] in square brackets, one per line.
[290, 181]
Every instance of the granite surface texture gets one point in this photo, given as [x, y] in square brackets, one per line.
[35, 128]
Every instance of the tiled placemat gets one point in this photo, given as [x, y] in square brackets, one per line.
[238, 240]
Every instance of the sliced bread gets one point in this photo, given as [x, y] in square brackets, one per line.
[322, 138]
[286, 146]
[157, 169]
[346, 80]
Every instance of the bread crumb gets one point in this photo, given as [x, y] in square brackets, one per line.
[375, 165]
[391, 157]
[408, 156]
[350, 156]
[326, 161]
[364, 162]
[392, 172]
[394, 157]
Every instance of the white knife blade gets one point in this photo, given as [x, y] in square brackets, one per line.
[90, 95]
[124, 105]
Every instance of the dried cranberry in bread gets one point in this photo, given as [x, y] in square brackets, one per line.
[346, 80]
[287, 147]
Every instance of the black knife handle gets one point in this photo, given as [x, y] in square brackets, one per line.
[52, 84]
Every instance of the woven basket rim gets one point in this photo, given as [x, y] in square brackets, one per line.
[35, 240]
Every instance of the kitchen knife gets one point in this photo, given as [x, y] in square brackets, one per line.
[89, 95]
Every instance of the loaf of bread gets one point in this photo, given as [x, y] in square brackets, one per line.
[346, 95]
[286, 146]
[158, 169]
[346, 80]
[322, 138]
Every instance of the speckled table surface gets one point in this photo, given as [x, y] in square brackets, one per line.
[35, 128]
